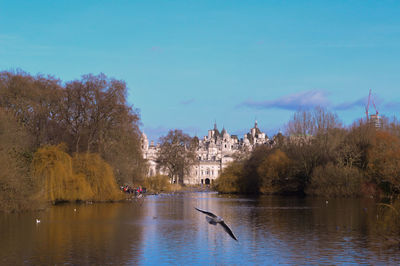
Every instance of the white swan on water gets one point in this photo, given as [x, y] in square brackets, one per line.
[214, 220]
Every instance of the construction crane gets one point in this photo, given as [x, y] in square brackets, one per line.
[368, 103]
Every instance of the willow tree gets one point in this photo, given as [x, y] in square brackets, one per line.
[177, 154]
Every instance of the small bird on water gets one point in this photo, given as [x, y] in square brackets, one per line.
[214, 220]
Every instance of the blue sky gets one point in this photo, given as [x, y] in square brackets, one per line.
[190, 63]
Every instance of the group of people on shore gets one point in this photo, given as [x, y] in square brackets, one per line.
[130, 190]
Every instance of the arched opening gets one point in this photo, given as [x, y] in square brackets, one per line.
[207, 181]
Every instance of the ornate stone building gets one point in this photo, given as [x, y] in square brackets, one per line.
[215, 151]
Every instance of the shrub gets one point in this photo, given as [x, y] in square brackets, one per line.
[275, 173]
[157, 183]
[331, 180]
[229, 180]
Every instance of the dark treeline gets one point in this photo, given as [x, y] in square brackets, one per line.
[318, 156]
[89, 115]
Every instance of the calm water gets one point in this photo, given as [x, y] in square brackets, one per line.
[167, 230]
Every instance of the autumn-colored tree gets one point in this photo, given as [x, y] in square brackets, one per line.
[276, 175]
[313, 136]
[16, 185]
[250, 182]
[229, 180]
[332, 181]
[53, 171]
[359, 140]
[384, 160]
[63, 178]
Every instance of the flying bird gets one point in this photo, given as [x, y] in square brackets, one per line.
[214, 220]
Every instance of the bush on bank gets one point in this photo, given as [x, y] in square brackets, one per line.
[62, 178]
[157, 184]
[333, 181]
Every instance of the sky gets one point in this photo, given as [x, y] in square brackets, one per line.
[189, 64]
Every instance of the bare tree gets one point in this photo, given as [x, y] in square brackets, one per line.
[177, 154]
[33, 101]
[312, 122]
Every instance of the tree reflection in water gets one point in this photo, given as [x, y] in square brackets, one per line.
[94, 234]
[166, 229]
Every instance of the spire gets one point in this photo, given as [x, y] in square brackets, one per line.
[223, 130]
[255, 124]
[215, 125]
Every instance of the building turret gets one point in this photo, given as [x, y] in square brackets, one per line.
[144, 142]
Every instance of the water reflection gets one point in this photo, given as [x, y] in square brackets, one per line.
[167, 230]
[73, 234]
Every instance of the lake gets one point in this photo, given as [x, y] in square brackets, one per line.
[166, 229]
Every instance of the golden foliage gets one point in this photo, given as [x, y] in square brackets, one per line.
[61, 178]
[157, 183]
[99, 176]
[52, 167]
[228, 181]
[332, 181]
[274, 172]
[16, 186]
[384, 159]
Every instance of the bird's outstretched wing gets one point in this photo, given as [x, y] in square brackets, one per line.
[207, 213]
[228, 230]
